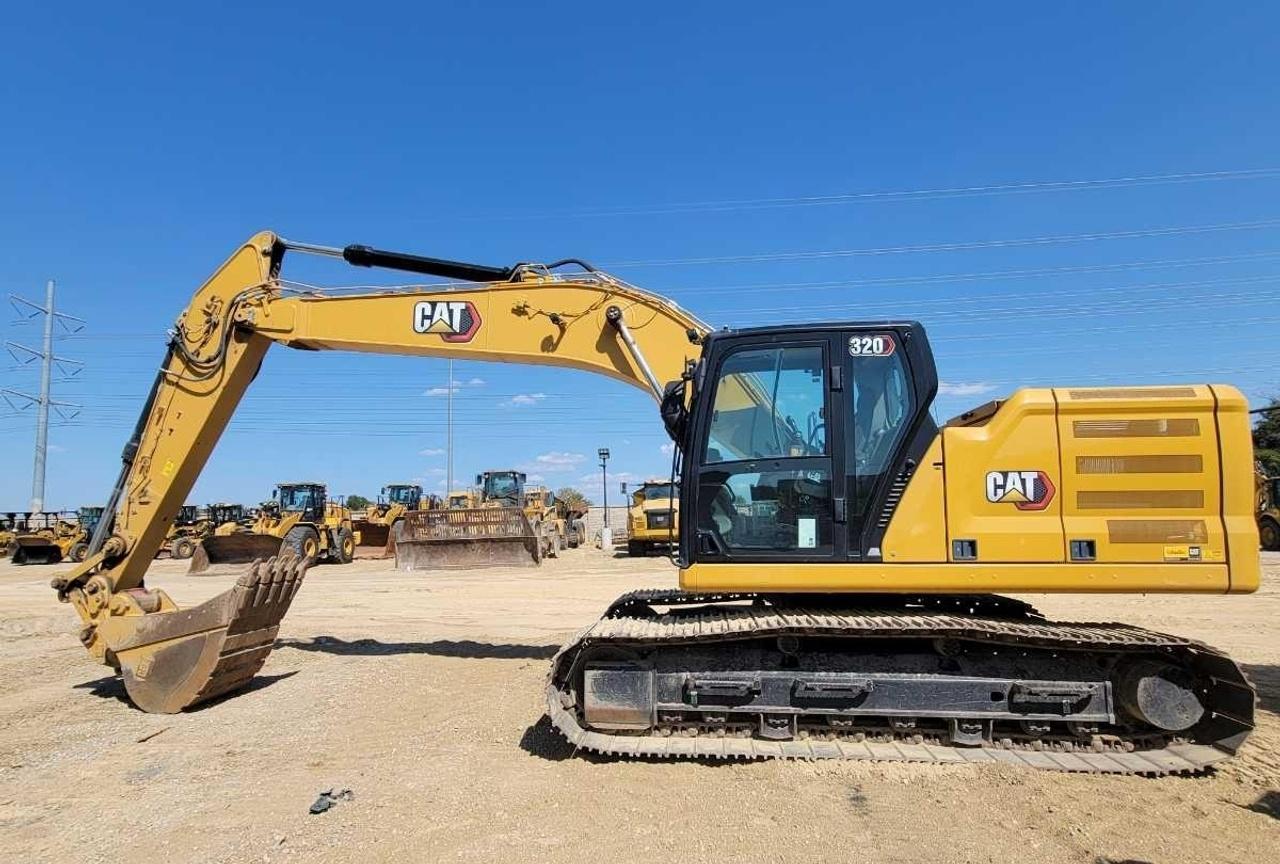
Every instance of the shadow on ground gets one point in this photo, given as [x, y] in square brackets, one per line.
[1268, 804]
[1266, 678]
[438, 648]
[112, 687]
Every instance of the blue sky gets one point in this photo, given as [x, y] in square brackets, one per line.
[141, 144]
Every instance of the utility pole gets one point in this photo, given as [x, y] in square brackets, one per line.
[43, 402]
[603, 453]
[448, 471]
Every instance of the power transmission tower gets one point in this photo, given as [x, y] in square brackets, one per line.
[43, 402]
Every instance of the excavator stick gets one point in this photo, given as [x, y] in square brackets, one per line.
[172, 659]
[35, 549]
[456, 539]
[233, 549]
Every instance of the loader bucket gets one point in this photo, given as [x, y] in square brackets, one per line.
[233, 549]
[456, 539]
[35, 549]
[171, 660]
[374, 539]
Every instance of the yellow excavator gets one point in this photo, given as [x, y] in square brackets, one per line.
[842, 559]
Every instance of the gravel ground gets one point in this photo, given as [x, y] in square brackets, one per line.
[422, 695]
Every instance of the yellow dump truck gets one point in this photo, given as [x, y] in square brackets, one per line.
[653, 518]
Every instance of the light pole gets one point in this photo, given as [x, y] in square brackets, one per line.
[603, 453]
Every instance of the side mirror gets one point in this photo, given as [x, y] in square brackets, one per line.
[479, 480]
[623, 484]
[275, 493]
[675, 416]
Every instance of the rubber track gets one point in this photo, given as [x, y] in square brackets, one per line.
[632, 621]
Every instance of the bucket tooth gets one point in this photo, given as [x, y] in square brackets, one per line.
[175, 659]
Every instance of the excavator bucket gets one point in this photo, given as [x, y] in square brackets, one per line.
[171, 660]
[454, 539]
[35, 549]
[240, 548]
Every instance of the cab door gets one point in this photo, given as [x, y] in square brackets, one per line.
[767, 451]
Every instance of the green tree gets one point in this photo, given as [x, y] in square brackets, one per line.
[1266, 438]
[358, 502]
[573, 499]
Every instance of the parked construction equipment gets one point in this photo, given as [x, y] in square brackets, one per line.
[464, 500]
[50, 538]
[653, 517]
[300, 517]
[8, 531]
[497, 531]
[564, 524]
[185, 534]
[378, 524]
[840, 554]
[1268, 511]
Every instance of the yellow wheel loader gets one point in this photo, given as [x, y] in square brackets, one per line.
[653, 517]
[188, 530]
[299, 518]
[1269, 512]
[545, 511]
[497, 531]
[377, 525]
[8, 526]
[842, 559]
[465, 500]
[47, 538]
[228, 519]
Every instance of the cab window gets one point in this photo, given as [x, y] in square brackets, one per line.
[882, 404]
[764, 487]
[769, 403]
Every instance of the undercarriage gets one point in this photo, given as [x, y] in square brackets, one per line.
[933, 678]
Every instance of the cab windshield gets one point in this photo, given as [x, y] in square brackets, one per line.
[296, 498]
[402, 495]
[502, 486]
[656, 492]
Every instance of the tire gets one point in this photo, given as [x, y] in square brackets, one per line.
[183, 548]
[555, 544]
[304, 541]
[344, 546]
[78, 552]
[1269, 533]
[635, 548]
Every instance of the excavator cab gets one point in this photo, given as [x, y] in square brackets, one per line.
[796, 440]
